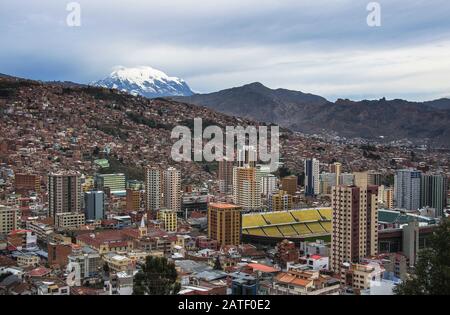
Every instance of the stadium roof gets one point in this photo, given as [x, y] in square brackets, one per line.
[292, 223]
[401, 217]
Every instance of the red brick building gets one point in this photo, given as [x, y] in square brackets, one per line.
[26, 183]
[58, 253]
[287, 252]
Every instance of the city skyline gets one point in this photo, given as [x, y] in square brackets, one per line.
[134, 184]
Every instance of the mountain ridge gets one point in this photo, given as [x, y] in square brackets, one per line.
[250, 96]
[382, 120]
[308, 113]
[69, 128]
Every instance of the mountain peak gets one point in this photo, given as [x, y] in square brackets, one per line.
[140, 74]
[145, 81]
[255, 84]
[258, 102]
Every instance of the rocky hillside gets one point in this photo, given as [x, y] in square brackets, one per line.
[49, 126]
[255, 101]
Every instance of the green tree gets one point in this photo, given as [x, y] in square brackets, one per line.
[431, 275]
[283, 172]
[96, 151]
[157, 277]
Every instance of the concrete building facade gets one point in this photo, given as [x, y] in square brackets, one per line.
[354, 224]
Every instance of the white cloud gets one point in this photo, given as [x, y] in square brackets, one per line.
[412, 71]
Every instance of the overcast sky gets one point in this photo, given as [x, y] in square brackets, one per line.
[315, 46]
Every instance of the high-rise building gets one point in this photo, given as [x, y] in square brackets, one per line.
[389, 197]
[374, 178]
[94, 202]
[225, 175]
[335, 168]
[370, 178]
[355, 224]
[312, 187]
[386, 197]
[247, 157]
[326, 181]
[269, 184]
[361, 179]
[132, 200]
[289, 184]
[25, 183]
[172, 189]
[225, 223]
[407, 189]
[433, 192]
[281, 201]
[64, 193]
[9, 219]
[262, 171]
[116, 183]
[346, 179]
[169, 219]
[136, 199]
[246, 188]
[153, 189]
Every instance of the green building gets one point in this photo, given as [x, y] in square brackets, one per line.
[115, 182]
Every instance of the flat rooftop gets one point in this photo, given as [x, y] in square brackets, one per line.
[224, 206]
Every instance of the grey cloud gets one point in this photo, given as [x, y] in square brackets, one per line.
[321, 45]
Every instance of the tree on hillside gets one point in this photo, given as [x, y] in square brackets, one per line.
[431, 274]
[283, 172]
[157, 277]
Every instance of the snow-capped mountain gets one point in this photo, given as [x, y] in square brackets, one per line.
[145, 81]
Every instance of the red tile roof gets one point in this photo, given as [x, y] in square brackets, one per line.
[108, 236]
[14, 232]
[39, 272]
[263, 268]
[292, 279]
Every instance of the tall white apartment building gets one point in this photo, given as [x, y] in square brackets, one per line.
[312, 180]
[268, 184]
[172, 189]
[247, 156]
[407, 189]
[153, 178]
[246, 188]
